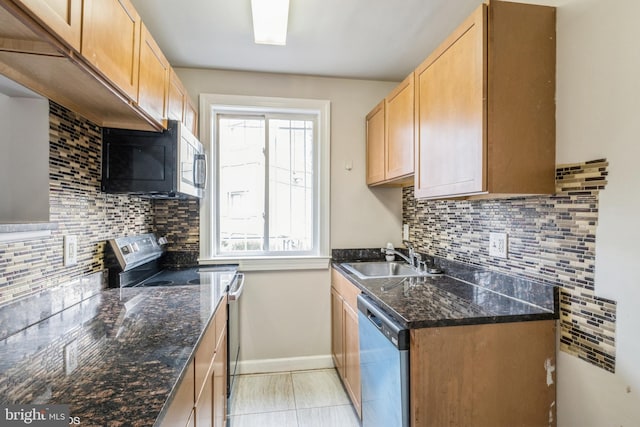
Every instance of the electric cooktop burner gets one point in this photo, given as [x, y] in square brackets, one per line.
[156, 283]
[188, 276]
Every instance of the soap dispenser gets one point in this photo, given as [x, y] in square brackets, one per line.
[390, 256]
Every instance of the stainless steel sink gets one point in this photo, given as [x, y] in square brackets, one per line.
[380, 269]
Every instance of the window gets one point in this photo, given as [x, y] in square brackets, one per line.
[268, 197]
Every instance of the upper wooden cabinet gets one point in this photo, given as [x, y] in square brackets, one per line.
[111, 42]
[375, 145]
[176, 97]
[119, 79]
[399, 131]
[390, 141]
[191, 116]
[450, 115]
[62, 17]
[180, 105]
[154, 78]
[485, 106]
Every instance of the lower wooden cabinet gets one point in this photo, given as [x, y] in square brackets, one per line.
[490, 375]
[486, 375]
[192, 419]
[220, 383]
[345, 345]
[204, 402]
[180, 411]
[201, 397]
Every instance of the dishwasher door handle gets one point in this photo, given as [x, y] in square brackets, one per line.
[374, 319]
[234, 294]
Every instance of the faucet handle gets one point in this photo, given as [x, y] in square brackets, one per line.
[418, 259]
[422, 266]
[408, 244]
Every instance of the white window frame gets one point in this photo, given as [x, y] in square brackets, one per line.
[210, 105]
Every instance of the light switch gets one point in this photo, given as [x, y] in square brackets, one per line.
[498, 245]
[70, 250]
[71, 357]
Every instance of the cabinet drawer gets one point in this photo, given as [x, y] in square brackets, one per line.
[220, 321]
[345, 288]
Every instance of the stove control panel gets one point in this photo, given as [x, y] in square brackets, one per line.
[133, 251]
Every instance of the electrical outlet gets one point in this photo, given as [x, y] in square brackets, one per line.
[498, 245]
[405, 232]
[71, 357]
[70, 250]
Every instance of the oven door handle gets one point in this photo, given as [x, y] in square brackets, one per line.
[236, 291]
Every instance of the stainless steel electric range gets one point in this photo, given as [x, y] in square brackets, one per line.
[135, 261]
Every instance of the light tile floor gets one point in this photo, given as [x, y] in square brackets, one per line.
[291, 399]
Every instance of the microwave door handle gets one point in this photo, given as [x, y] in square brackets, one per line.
[200, 170]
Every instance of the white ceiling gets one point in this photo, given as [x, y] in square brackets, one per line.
[364, 39]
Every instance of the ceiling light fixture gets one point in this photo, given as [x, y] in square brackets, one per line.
[270, 18]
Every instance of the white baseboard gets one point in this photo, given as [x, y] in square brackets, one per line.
[285, 364]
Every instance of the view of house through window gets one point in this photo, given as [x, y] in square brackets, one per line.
[266, 183]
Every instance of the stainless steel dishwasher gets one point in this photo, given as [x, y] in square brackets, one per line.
[384, 367]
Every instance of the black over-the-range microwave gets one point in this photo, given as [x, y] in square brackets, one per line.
[168, 164]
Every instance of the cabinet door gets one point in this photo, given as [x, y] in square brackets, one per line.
[190, 115]
[375, 145]
[352, 357]
[204, 405]
[192, 419]
[181, 409]
[62, 17]
[111, 42]
[399, 130]
[337, 339]
[220, 383]
[175, 97]
[154, 77]
[451, 114]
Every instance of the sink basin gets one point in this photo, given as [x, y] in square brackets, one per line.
[380, 269]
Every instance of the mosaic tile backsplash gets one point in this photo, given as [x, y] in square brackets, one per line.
[79, 208]
[550, 239]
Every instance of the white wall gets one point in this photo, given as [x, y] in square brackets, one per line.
[285, 315]
[598, 110]
[285, 321]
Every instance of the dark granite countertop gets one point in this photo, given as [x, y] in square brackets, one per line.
[465, 295]
[132, 346]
